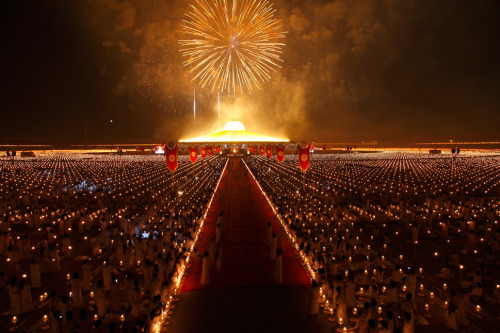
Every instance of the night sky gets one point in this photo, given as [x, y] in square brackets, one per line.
[393, 71]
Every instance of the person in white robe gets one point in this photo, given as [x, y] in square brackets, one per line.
[269, 234]
[76, 290]
[107, 271]
[314, 299]
[205, 270]
[341, 306]
[86, 275]
[15, 298]
[36, 279]
[100, 299]
[350, 293]
[218, 233]
[408, 323]
[392, 294]
[411, 282]
[155, 286]
[26, 300]
[451, 321]
[135, 300]
[274, 245]
[362, 322]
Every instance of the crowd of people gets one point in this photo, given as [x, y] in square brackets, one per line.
[393, 238]
[100, 242]
[97, 242]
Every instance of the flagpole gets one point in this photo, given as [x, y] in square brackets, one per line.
[303, 180]
[173, 187]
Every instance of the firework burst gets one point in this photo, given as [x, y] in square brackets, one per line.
[231, 46]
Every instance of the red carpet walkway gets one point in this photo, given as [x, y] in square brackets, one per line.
[245, 253]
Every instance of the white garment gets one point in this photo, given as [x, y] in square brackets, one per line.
[269, 235]
[87, 276]
[272, 250]
[26, 301]
[451, 321]
[15, 300]
[205, 271]
[76, 292]
[36, 280]
[155, 287]
[100, 300]
[135, 301]
[314, 300]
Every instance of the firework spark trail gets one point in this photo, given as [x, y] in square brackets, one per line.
[233, 45]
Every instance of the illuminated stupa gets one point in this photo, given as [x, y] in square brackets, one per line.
[233, 132]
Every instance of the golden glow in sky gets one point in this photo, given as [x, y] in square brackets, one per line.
[234, 131]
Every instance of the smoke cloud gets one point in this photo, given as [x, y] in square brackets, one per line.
[399, 71]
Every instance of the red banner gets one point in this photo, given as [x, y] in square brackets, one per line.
[280, 153]
[172, 161]
[209, 150]
[261, 151]
[203, 152]
[269, 151]
[193, 154]
[304, 159]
